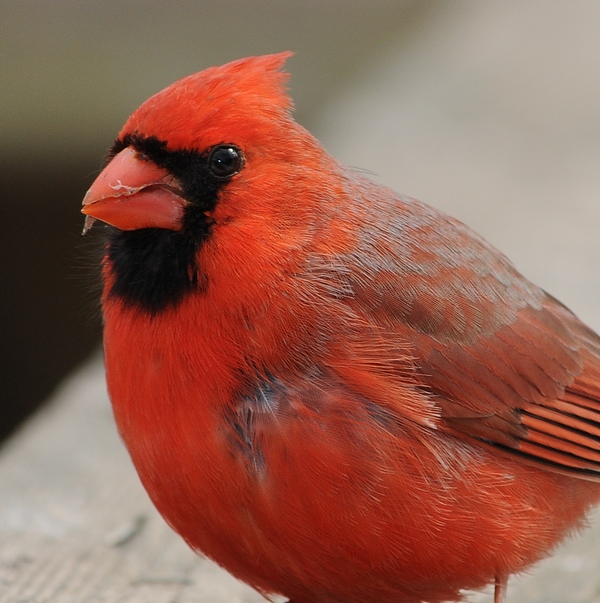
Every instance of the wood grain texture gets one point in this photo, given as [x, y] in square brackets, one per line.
[77, 527]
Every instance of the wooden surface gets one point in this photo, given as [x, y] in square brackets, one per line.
[77, 527]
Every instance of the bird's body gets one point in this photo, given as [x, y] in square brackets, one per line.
[337, 393]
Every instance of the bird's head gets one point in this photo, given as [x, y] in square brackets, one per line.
[188, 142]
[215, 150]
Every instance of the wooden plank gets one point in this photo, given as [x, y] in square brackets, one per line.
[77, 527]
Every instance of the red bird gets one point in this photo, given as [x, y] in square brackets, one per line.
[337, 393]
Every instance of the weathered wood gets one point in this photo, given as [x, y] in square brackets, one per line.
[77, 527]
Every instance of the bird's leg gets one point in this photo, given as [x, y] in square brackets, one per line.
[500, 586]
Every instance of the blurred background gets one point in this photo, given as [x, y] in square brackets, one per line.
[487, 110]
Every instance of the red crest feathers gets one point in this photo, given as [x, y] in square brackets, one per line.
[217, 104]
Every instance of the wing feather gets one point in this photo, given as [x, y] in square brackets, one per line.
[506, 364]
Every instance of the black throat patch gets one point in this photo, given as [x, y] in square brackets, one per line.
[154, 268]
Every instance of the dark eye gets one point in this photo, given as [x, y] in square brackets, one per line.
[225, 161]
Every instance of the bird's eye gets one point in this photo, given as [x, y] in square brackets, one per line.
[225, 161]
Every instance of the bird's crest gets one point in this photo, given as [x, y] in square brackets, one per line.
[217, 104]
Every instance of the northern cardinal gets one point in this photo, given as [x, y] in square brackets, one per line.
[337, 393]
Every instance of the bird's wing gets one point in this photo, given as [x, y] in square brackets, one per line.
[505, 363]
[532, 386]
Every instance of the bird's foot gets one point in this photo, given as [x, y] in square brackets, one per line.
[501, 584]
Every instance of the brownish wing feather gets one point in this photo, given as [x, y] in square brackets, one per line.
[507, 364]
[531, 387]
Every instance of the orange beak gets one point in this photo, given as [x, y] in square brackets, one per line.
[132, 193]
